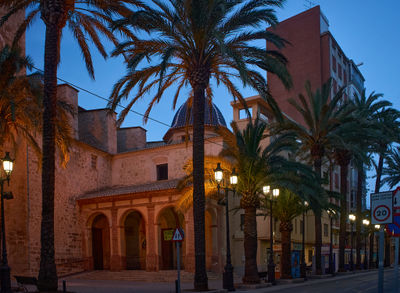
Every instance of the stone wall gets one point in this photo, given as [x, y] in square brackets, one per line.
[98, 128]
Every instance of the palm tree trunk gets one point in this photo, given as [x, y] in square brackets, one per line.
[343, 159]
[318, 224]
[360, 181]
[47, 279]
[200, 278]
[286, 269]
[379, 173]
[250, 246]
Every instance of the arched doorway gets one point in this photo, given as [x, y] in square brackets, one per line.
[135, 241]
[168, 221]
[101, 243]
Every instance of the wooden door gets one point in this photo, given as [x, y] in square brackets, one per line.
[97, 248]
[167, 252]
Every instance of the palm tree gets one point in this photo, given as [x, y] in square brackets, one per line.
[392, 171]
[19, 93]
[388, 120]
[287, 207]
[21, 104]
[86, 19]
[257, 167]
[184, 43]
[321, 131]
[185, 185]
[367, 108]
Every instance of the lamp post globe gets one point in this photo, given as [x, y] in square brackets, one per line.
[352, 218]
[8, 164]
[5, 279]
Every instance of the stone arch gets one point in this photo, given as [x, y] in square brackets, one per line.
[133, 240]
[211, 237]
[167, 221]
[100, 232]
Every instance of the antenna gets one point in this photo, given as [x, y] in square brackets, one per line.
[309, 4]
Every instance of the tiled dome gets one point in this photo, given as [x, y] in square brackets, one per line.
[211, 118]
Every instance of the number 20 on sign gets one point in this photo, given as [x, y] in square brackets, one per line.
[382, 208]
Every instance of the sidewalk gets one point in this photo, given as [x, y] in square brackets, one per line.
[131, 281]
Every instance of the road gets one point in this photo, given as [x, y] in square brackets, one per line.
[363, 282]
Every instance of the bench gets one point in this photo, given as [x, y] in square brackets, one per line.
[22, 281]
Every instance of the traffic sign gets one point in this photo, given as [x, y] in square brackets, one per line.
[178, 235]
[382, 208]
[394, 229]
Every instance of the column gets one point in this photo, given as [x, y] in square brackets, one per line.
[115, 264]
[189, 239]
[151, 253]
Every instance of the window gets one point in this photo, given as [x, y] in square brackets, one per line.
[243, 113]
[301, 227]
[242, 222]
[344, 77]
[295, 226]
[333, 63]
[326, 230]
[94, 161]
[340, 71]
[162, 172]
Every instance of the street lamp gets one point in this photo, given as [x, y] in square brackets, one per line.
[377, 227]
[366, 223]
[227, 277]
[331, 214]
[352, 218]
[271, 265]
[303, 256]
[8, 164]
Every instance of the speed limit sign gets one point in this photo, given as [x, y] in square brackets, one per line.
[382, 208]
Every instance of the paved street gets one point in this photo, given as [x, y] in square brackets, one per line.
[361, 282]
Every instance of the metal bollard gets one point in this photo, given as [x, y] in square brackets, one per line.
[176, 286]
[64, 286]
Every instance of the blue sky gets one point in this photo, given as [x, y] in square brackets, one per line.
[368, 32]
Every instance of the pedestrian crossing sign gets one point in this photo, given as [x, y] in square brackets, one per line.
[178, 235]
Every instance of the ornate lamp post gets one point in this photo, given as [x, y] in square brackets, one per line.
[227, 277]
[303, 255]
[377, 227]
[271, 265]
[352, 218]
[366, 223]
[8, 164]
[331, 214]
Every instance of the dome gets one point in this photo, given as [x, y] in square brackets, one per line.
[211, 118]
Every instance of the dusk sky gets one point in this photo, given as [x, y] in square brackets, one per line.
[368, 31]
